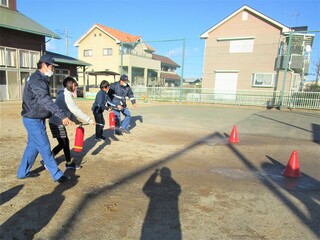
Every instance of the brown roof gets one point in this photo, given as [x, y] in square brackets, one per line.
[165, 60]
[171, 76]
[122, 36]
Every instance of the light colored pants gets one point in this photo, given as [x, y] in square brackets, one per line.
[38, 142]
[126, 121]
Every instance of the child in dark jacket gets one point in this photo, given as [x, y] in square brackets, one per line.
[100, 104]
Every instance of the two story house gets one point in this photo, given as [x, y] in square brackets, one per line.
[247, 50]
[110, 50]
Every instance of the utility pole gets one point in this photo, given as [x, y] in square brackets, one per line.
[64, 33]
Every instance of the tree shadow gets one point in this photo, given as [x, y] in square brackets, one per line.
[9, 194]
[28, 221]
[162, 218]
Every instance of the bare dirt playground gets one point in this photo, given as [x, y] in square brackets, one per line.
[204, 188]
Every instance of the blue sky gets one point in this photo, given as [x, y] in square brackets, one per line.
[159, 20]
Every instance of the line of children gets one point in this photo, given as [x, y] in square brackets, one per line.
[67, 104]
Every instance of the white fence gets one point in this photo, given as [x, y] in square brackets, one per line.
[306, 100]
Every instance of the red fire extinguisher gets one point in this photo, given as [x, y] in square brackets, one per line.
[112, 120]
[78, 140]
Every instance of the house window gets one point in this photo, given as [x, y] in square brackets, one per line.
[107, 51]
[34, 56]
[24, 59]
[2, 57]
[4, 3]
[241, 46]
[11, 58]
[263, 79]
[3, 80]
[87, 53]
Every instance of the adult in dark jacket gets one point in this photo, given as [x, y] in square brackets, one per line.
[118, 93]
[37, 106]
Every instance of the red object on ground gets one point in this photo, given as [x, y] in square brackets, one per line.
[292, 168]
[234, 135]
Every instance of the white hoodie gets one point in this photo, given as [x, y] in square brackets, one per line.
[66, 102]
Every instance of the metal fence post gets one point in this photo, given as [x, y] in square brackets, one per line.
[285, 71]
[182, 67]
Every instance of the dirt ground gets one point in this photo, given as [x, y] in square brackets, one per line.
[174, 177]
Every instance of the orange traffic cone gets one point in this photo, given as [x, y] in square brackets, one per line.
[292, 168]
[234, 135]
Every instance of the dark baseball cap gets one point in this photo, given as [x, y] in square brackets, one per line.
[124, 78]
[48, 59]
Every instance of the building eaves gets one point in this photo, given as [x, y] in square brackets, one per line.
[18, 21]
[60, 58]
[251, 10]
[171, 76]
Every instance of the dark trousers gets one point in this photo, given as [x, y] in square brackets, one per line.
[63, 143]
[98, 117]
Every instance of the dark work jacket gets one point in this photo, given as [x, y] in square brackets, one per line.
[37, 102]
[118, 94]
[101, 102]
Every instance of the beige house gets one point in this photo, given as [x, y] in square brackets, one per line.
[111, 50]
[247, 51]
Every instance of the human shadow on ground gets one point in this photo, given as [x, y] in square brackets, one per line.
[134, 120]
[90, 142]
[9, 194]
[306, 189]
[41, 168]
[213, 139]
[28, 221]
[311, 223]
[162, 219]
